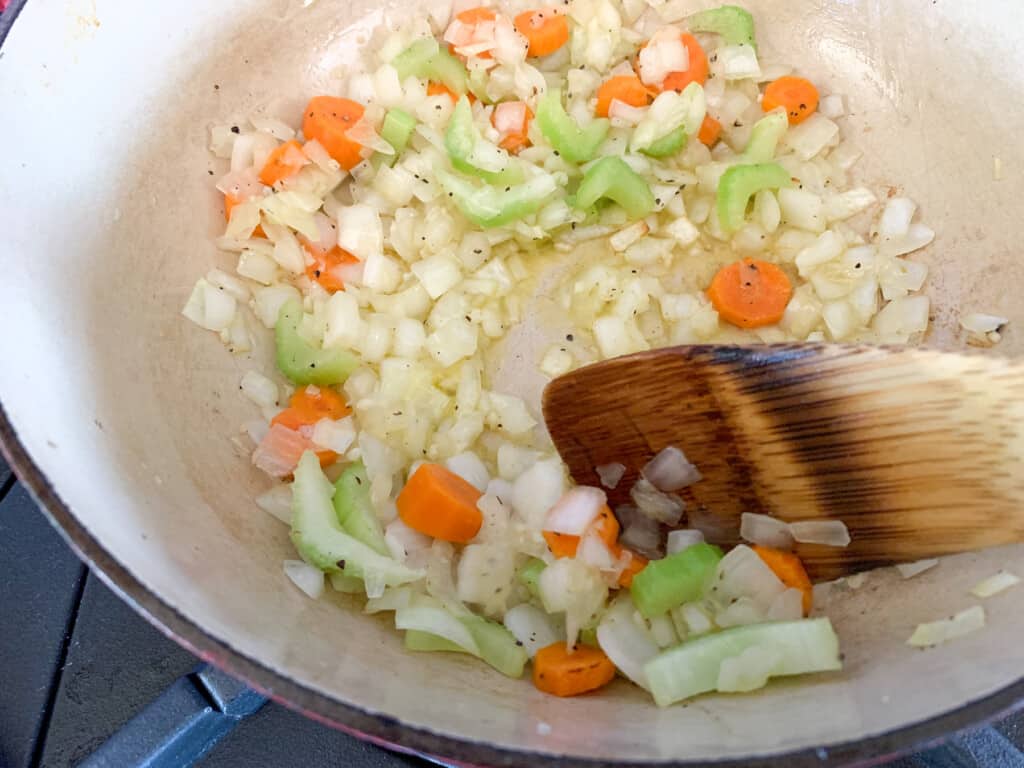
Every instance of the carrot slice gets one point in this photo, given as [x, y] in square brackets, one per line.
[545, 30]
[230, 201]
[437, 89]
[798, 96]
[636, 564]
[750, 293]
[626, 88]
[561, 673]
[440, 504]
[697, 72]
[710, 131]
[605, 524]
[473, 16]
[324, 267]
[328, 120]
[307, 406]
[283, 163]
[790, 570]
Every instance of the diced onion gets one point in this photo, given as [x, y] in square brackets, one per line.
[260, 389]
[533, 628]
[977, 322]
[470, 468]
[995, 584]
[663, 507]
[427, 615]
[766, 531]
[336, 436]
[683, 539]
[640, 533]
[575, 511]
[304, 576]
[831, 533]
[670, 470]
[625, 641]
[938, 632]
[277, 502]
[910, 570]
[610, 474]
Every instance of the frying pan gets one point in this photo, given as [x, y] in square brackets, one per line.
[119, 415]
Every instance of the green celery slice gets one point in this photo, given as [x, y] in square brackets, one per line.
[303, 363]
[734, 24]
[574, 144]
[355, 510]
[530, 573]
[765, 137]
[804, 646]
[396, 130]
[674, 580]
[415, 640]
[498, 646]
[489, 206]
[612, 179]
[739, 183]
[669, 144]
[428, 60]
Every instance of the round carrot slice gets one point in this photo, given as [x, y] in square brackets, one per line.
[750, 294]
[545, 30]
[561, 672]
[625, 88]
[328, 120]
[796, 95]
[697, 72]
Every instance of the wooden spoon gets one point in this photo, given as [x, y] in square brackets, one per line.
[918, 452]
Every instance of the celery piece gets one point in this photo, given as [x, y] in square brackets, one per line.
[303, 363]
[428, 60]
[739, 183]
[574, 144]
[612, 179]
[415, 640]
[355, 510]
[349, 585]
[791, 648]
[319, 537]
[467, 149]
[588, 637]
[669, 144]
[674, 580]
[734, 24]
[498, 646]
[396, 130]
[765, 137]
[489, 206]
[530, 573]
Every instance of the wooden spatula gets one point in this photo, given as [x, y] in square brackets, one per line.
[918, 452]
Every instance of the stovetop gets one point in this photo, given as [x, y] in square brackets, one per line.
[76, 664]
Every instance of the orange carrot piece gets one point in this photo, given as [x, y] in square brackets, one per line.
[565, 545]
[790, 570]
[323, 269]
[697, 71]
[545, 30]
[516, 141]
[472, 16]
[440, 504]
[626, 88]
[636, 564]
[328, 120]
[437, 89]
[561, 673]
[307, 406]
[750, 293]
[710, 131]
[230, 201]
[283, 163]
[798, 96]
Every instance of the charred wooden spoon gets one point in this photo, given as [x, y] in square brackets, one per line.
[918, 452]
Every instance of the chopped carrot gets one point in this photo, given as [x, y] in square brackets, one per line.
[519, 139]
[798, 96]
[324, 266]
[605, 524]
[750, 293]
[626, 88]
[710, 131]
[230, 201]
[790, 571]
[472, 16]
[697, 72]
[307, 406]
[561, 673]
[283, 163]
[545, 30]
[440, 504]
[636, 564]
[437, 89]
[328, 120]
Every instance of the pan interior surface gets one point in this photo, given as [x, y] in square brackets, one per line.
[133, 414]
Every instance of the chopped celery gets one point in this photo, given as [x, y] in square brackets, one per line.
[734, 24]
[319, 538]
[426, 59]
[396, 130]
[574, 144]
[739, 183]
[669, 144]
[498, 646]
[611, 178]
[674, 580]
[415, 640]
[792, 648]
[349, 585]
[488, 206]
[765, 137]
[530, 573]
[472, 154]
[303, 363]
[589, 637]
[355, 510]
